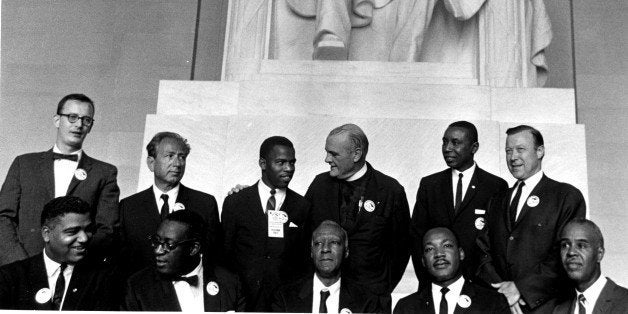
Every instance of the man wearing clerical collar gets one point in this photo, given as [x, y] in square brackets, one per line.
[181, 279]
[581, 252]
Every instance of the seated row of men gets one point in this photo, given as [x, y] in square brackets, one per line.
[509, 236]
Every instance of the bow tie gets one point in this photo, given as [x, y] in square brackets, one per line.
[71, 157]
[192, 280]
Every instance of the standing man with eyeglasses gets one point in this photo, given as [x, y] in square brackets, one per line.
[36, 178]
[141, 213]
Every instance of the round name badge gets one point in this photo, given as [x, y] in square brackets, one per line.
[212, 288]
[345, 311]
[80, 174]
[178, 206]
[464, 301]
[480, 223]
[369, 206]
[533, 201]
[43, 295]
[282, 216]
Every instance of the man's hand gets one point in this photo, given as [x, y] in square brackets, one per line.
[510, 291]
[516, 309]
[237, 188]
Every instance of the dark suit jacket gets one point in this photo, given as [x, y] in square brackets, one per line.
[88, 289]
[528, 252]
[483, 300]
[379, 241]
[30, 184]
[147, 290]
[140, 218]
[297, 297]
[435, 208]
[612, 299]
[264, 263]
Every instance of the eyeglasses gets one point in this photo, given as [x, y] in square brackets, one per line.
[155, 242]
[87, 120]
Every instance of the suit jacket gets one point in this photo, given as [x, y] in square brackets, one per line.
[88, 289]
[379, 240]
[297, 297]
[140, 218]
[264, 263]
[148, 290]
[612, 299]
[435, 208]
[483, 300]
[528, 251]
[30, 184]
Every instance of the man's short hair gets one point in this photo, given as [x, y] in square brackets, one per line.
[194, 222]
[597, 233]
[269, 143]
[333, 224]
[76, 97]
[456, 238]
[472, 131]
[536, 135]
[151, 148]
[64, 205]
[356, 135]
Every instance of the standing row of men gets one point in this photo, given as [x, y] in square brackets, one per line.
[510, 236]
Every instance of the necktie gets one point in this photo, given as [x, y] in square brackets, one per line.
[270, 205]
[515, 203]
[458, 193]
[72, 157]
[191, 280]
[165, 208]
[443, 301]
[322, 308]
[59, 288]
[581, 308]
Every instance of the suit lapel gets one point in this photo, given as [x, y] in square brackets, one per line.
[38, 279]
[305, 296]
[150, 205]
[446, 186]
[84, 163]
[525, 208]
[212, 303]
[333, 191]
[604, 300]
[76, 288]
[46, 170]
[505, 206]
[168, 296]
[346, 300]
[254, 203]
[474, 183]
[468, 290]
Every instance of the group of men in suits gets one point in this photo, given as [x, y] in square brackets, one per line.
[286, 252]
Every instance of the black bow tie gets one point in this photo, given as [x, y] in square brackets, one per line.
[192, 280]
[72, 157]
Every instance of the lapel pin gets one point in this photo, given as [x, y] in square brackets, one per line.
[43, 295]
[369, 206]
[464, 301]
[80, 174]
[212, 288]
[345, 311]
[533, 201]
[74, 290]
[473, 186]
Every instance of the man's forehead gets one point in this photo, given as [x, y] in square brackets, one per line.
[172, 230]
[326, 231]
[578, 232]
[437, 236]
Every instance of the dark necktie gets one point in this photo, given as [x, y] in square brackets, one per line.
[270, 205]
[322, 308]
[72, 157]
[191, 280]
[581, 308]
[443, 301]
[515, 203]
[59, 287]
[458, 193]
[165, 208]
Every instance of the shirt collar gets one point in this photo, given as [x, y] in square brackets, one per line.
[265, 189]
[358, 174]
[197, 271]
[593, 292]
[52, 267]
[454, 288]
[467, 173]
[79, 152]
[532, 181]
[172, 194]
[318, 285]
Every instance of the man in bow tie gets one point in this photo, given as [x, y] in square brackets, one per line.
[36, 178]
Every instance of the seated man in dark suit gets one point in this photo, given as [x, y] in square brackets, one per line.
[34, 179]
[326, 291]
[263, 225]
[449, 288]
[181, 278]
[141, 213]
[581, 252]
[58, 278]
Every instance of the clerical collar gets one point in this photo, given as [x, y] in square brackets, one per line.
[79, 152]
[358, 174]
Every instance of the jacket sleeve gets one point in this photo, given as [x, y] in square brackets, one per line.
[486, 270]
[229, 232]
[11, 248]
[418, 228]
[107, 213]
[401, 236]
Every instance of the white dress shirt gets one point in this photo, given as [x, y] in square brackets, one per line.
[466, 180]
[358, 174]
[530, 183]
[591, 295]
[333, 301]
[191, 298]
[264, 195]
[452, 295]
[52, 272]
[172, 197]
[64, 171]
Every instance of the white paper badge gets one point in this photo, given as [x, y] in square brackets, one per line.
[369, 206]
[276, 220]
[464, 301]
[345, 311]
[480, 211]
[178, 206]
[212, 288]
[43, 295]
[533, 201]
[479, 223]
[80, 174]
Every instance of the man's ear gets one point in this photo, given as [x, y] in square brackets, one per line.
[45, 233]
[474, 147]
[196, 248]
[150, 162]
[346, 252]
[262, 163]
[540, 152]
[461, 253]
[357, 154]
[600, 254]
[56, 119]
